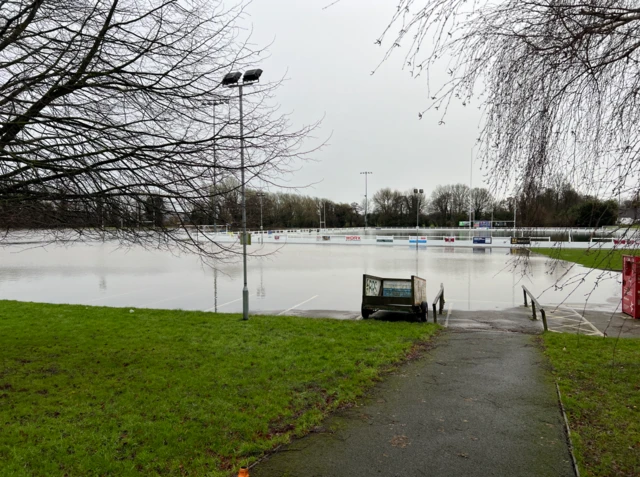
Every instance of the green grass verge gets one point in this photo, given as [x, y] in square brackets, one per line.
[601, 396]
[109, 392]
[594, 258]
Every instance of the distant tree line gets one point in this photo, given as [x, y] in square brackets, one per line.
[446, 206]
[556, 206]
[273, 210]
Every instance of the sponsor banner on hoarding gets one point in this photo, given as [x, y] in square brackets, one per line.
[396, 288]
[464, 223]
[420, 240]
[352, 238]
[625, 242]
[485, 240]
[276, 237]
[449, 239]
[384, 239]
[326, 238]
[520, 241]
[484, 224]
[372, 287]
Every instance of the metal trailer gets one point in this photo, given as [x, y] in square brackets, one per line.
[394, 294]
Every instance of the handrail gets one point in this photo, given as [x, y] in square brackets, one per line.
[439, 297]
[535, 302]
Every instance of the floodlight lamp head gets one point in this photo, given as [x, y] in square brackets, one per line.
[421, 191]
[252, 76]
[231, 79]
[415, 191]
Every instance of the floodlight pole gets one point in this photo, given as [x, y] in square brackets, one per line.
[366, 198]
[245, 289]
[260, 196]
[417, 192]
[515, 205]
[232, 80]
[417, 219]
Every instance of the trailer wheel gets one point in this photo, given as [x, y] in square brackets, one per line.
[424, 311]
[365, 313]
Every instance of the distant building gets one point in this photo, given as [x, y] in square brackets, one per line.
[629, 216]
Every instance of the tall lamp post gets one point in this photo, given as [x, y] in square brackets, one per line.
[232, 80]
[415, 191]
[366, 197]
[261, 196]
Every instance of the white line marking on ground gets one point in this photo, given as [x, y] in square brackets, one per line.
[296, 306]
[227, 303]
[446, 322]
[593, 327]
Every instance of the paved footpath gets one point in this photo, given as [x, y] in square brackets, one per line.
[479, 404]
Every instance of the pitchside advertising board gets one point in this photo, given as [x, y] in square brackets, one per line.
[481, 240]
[520, 241]
[479, 224]
[396, 288]
[423, 240]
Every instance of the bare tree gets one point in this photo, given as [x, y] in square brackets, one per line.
[481, 201]
[440, 203]
[459, 199]
[105, 114]
[558, 82]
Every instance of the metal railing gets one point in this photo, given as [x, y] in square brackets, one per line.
[439, 298]
[535, 302]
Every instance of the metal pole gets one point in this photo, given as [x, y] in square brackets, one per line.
[245, 289]
[515, 204]
[261, 229]
[417, 218]
[366, 198]
[215, 167]
[470, 192]
[366, 201]
[619, 187]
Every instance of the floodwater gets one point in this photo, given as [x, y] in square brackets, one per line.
[293, 277]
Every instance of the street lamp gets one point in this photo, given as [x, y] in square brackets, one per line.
[366, 198]
[415, 191]
[232, 80]
[213, 104]
[261, 196]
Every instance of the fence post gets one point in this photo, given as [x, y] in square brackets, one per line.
[544, 319]
[524, 292]
[533, 307]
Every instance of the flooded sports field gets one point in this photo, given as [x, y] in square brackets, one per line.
[292, 278]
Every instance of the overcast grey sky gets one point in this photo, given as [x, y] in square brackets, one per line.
[327, 57]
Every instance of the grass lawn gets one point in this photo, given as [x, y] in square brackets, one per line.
[602, 400]
[109, 392]
[594, 258]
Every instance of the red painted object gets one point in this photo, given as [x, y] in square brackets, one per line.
[631, 285]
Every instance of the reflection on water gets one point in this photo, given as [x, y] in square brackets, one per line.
[322, 277]
[260, 291]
